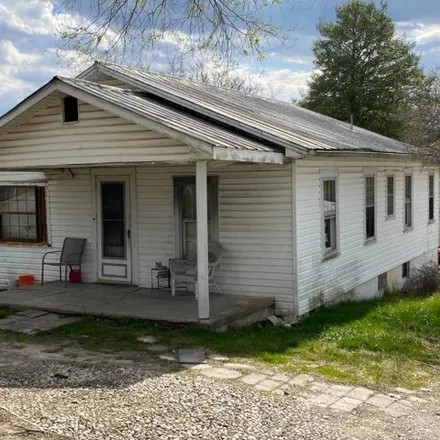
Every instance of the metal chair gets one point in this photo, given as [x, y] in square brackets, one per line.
[184, 271]
[71, 255]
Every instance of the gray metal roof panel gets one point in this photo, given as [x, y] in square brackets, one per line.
[168, 116]
[287, 125]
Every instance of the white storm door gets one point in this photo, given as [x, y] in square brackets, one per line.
[113, 229]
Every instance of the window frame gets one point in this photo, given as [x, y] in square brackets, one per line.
[431, 196]
[406, 227]
[373, 238]
[329, 253]
[63, 110]
[391, 216]
[213, 180]
[41, 217]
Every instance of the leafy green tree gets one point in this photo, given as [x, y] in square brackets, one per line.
[364, 70]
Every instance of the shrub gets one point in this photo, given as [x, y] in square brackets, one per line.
[422, 281]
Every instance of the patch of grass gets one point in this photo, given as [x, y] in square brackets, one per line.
[392, 342]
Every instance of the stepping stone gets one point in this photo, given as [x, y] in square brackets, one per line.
[221, 373]
[253, 378]
[267, 385]
[346, 404]
[191, 355]
[319, 387]
[196, 367]
[360, 393]
[380, 401]
[281, 377]
[397, 410]
[324, 400]
[157, 348]
[239, 366]
[168, 357]
[302, 379]
[147, 339]
[338, 390]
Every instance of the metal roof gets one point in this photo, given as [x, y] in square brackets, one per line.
[136, 102]
[280, 123]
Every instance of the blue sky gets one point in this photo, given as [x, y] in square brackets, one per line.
[28, 44]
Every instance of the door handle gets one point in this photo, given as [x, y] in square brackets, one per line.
[128, 233]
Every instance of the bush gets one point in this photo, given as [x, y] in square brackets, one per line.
[422, 281]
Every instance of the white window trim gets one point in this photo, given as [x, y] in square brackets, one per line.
[370, 173]
[431, 220]
[393, 215]
[329, 175]
[408, 172]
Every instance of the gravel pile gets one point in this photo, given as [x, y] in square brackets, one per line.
[138, 402]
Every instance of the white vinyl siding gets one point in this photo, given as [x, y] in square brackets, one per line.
[98, 138]
[321, 282]
[255, 227]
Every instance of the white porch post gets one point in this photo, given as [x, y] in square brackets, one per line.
[202, 239]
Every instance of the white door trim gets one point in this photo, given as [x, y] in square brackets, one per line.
[117, 172]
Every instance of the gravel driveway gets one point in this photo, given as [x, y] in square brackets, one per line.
[113, 399]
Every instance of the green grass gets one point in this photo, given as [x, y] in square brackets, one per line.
[392, 342]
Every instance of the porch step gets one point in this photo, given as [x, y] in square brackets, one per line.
[255, 311]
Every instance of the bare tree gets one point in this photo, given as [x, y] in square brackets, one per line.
[422, 117]
[215, 73]
[126, 30]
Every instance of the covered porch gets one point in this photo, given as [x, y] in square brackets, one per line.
[116, 301]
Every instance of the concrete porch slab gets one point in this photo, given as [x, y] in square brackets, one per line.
[133, 302]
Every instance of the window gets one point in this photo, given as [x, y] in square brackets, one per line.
[390, 196]
[431, 197]
[406, 267]
[23, 214]
[330, 213]
[186, 216]
[408, 200]
[70, 109]
[370, 208]
[382, 281]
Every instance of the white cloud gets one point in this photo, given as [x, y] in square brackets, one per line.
[421, 33]
[33, 17]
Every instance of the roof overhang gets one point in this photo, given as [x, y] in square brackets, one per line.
[57, 87]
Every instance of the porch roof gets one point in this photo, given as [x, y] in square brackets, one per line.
[209, 140]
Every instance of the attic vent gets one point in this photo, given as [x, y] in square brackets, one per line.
[70, 109]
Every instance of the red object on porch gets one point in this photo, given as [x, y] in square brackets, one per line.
[75, 276]
[25, 280]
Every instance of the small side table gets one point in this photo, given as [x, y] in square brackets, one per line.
[159, 274]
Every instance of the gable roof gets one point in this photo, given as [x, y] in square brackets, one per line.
[166, 119]
[279, 123]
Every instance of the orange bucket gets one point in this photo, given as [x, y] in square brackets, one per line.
[25, 280]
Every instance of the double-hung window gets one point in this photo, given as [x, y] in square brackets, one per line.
[23, 214]
[185, 215]
[431, 197]
[370, 207]
[329, 201]
[408, 200]
[390, 196]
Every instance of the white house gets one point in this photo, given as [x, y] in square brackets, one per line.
[308, 209]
